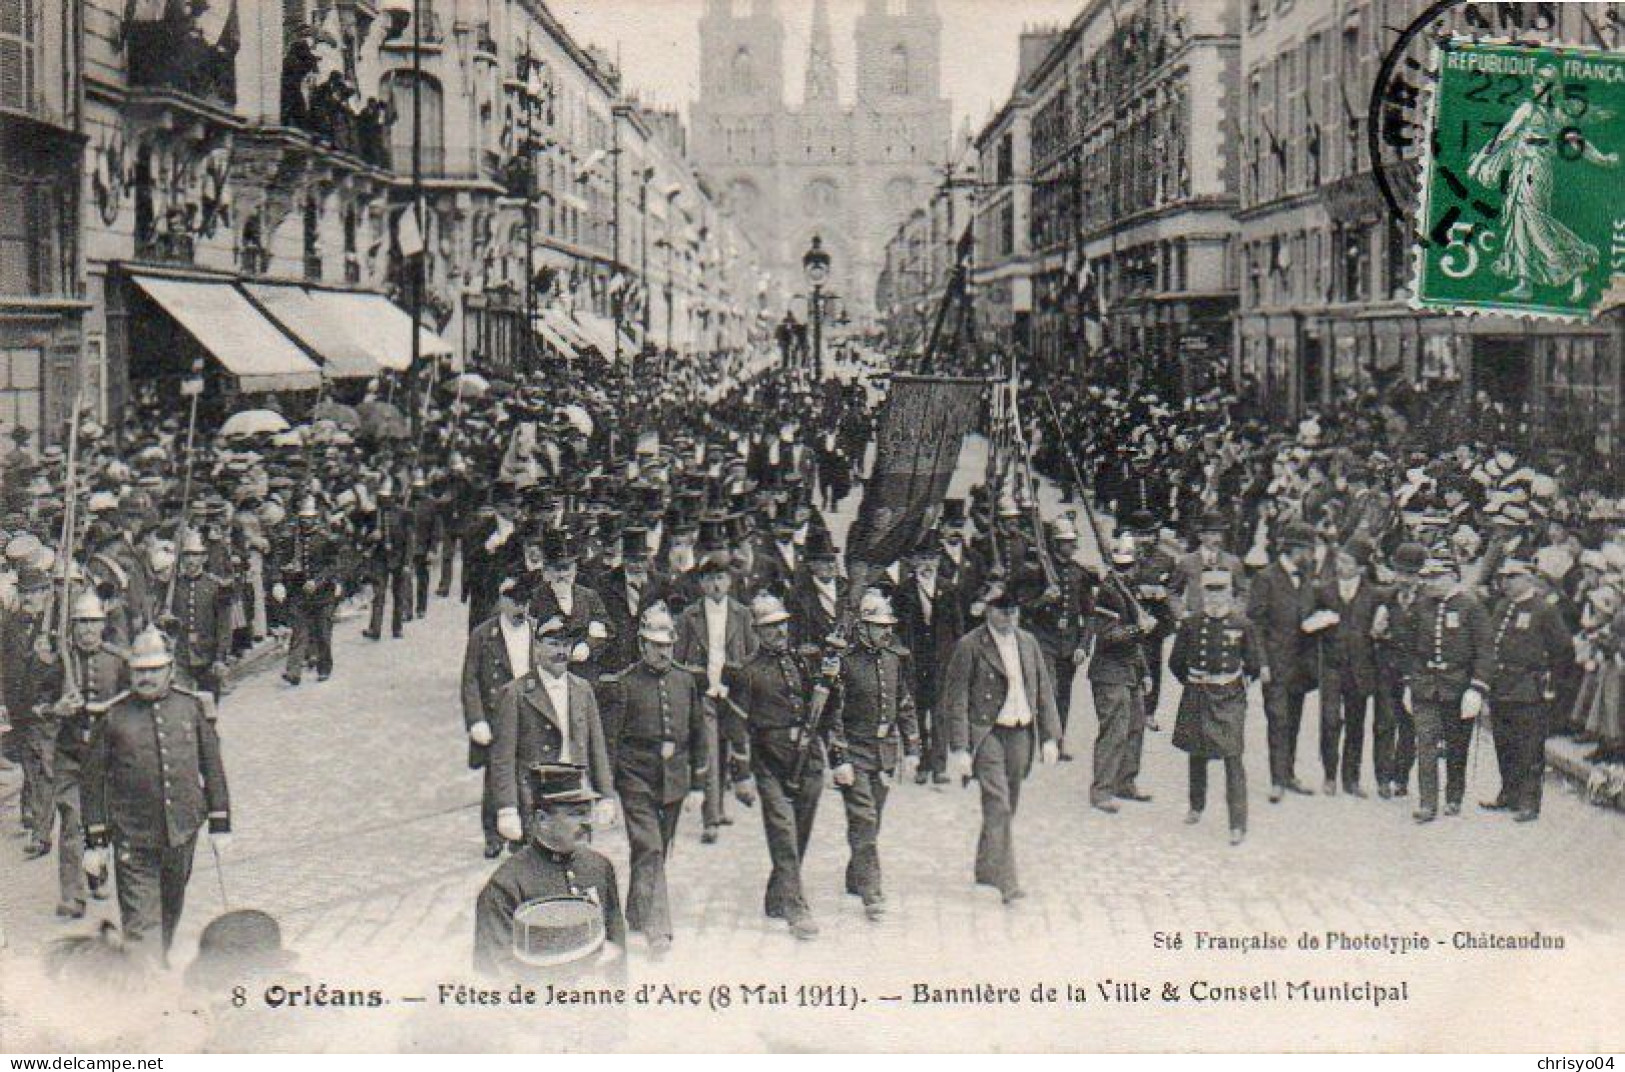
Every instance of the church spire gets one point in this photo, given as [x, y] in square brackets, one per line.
[820, 85]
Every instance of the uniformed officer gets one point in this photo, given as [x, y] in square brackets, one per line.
[92, 675]
[1394, 737]
[555, 862]
[24, 635]
[301, 572]
[655, 729]
[877, 722]
[153, 777]
[1529, 647]
[389, 554]
[199, 621]
[1120, 678]
[1446, 637]
[781, 716]
[1215, 653]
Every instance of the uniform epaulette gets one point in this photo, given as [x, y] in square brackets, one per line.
[205, 701]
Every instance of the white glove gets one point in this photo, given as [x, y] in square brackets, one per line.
[95, 862]
[717, 692]
[1049, 752]
[1321, 620]
[603, 813]
[597, 631]
[509, 826]
[480, 733]
[279, 592]
[1472, 704]
[959, 764]
[1406, 699]
[843, 774]
[220, 842]
[580, 653]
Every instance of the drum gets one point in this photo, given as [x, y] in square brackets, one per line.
[557, 930]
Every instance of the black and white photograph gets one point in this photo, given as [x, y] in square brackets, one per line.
[767, 526]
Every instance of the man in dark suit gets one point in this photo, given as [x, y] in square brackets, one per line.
[931, 620]
[547, 716]
[1341, 616]
[819, 594]
[579, 607]
[1530, 647]
[1277, 605]
[998, 702]
[498, 651]
[655, 730]
[627, 592]
[714, 634]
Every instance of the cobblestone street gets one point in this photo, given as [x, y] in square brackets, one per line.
[357, 826]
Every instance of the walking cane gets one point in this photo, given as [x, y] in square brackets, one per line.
[219, 874]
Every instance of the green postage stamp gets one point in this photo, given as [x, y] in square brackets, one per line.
[1523, 196]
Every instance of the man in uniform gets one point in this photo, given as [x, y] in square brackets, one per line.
[781, 717]
[389, 553]
[153, 776]
[200, 621]
[1215, 654]
[998, 700]
[1210, 554]
[1394, 738]
[1529, 647]
[556, 861]
[424, 517]
[877, 723]
[93, 676]
[25, 633]
[546, 716]
[1119, 679]
[655, 729]
[1446, 639]
[498, 651]
[1277, 605]
[300, 571]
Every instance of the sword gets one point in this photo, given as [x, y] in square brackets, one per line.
[219, 874]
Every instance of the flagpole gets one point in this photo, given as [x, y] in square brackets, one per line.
[415, 271]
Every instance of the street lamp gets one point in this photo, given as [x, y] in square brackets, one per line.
[815, 265]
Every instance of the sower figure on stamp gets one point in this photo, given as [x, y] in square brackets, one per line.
[498, 652]
[781, 716]
[881, 733]
[153, 776]
[1529, 647]
[1446, 638]
[655, 728]
[999, 702]
[1215, 654]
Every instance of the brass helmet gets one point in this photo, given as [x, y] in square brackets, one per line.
[657, 625]
[87, 607]
[150, 650]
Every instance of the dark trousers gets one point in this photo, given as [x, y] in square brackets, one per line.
[1520, 752]
[1393, 740]
[1342, 727]
[1061, 669]
[1283, 711]
[311, 618]
[1440, 730]
[70, 847]
[788, 811]
[1235, 788]
[1153, 661]
[451, 537]
[420, 585]
[152, 891]
[865, 802]
[1122, 713]
[488, 806]
[38, 752]
[1002, 761]
[933, 741]
[650, 827]
[389, 581]
[713, 810]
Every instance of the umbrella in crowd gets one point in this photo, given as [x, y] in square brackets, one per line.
[383, 420]
[253, 422]
[341, 415]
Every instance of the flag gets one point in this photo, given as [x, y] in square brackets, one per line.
[408, 233]
[231, 34]
[921, 431]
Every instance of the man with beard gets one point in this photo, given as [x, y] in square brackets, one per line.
[1280, 599]
[931, 621]
[656, 733]
[818, 596]
[25, 639]
[628, 590]
[560, 596]
[199, 619]
[498, 652]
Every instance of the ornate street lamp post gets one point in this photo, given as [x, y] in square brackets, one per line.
[815, 265]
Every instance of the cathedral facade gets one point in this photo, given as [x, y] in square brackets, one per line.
[848, 173]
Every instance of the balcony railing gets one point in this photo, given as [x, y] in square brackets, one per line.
[168, 247]
[431, 34]
[173, 54]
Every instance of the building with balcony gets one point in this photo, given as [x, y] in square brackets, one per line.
[1326, 268]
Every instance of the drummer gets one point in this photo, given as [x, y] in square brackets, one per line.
[556, 863]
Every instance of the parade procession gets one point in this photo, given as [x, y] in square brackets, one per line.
[652, 547]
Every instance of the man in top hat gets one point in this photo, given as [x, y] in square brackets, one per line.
[1393, 738]
[818, 597]
[962, 564]
[1342, 615]
[782, 715]
[655, 728]
[25, 639]
[878, 724]
[85, 683]
[301, 570]
[153, 777]
[199, 620]
[1215, 654]
[1119, 680]
[628, 590]
[561, 596]
[548, 715]
[556, 861]
[1529, 648]
[1210, 554]
[1279, 601]
[931, 619]
[498, 652]
[998, 701]
[714, 634]
[1448, 656]
[389, 553]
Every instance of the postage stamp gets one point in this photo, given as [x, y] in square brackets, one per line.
[1523, 197]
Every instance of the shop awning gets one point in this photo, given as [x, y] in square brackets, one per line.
[316, 325]
[565, 325]
[598, 330]
[553, 337]
[382, 328]
[225, 323]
